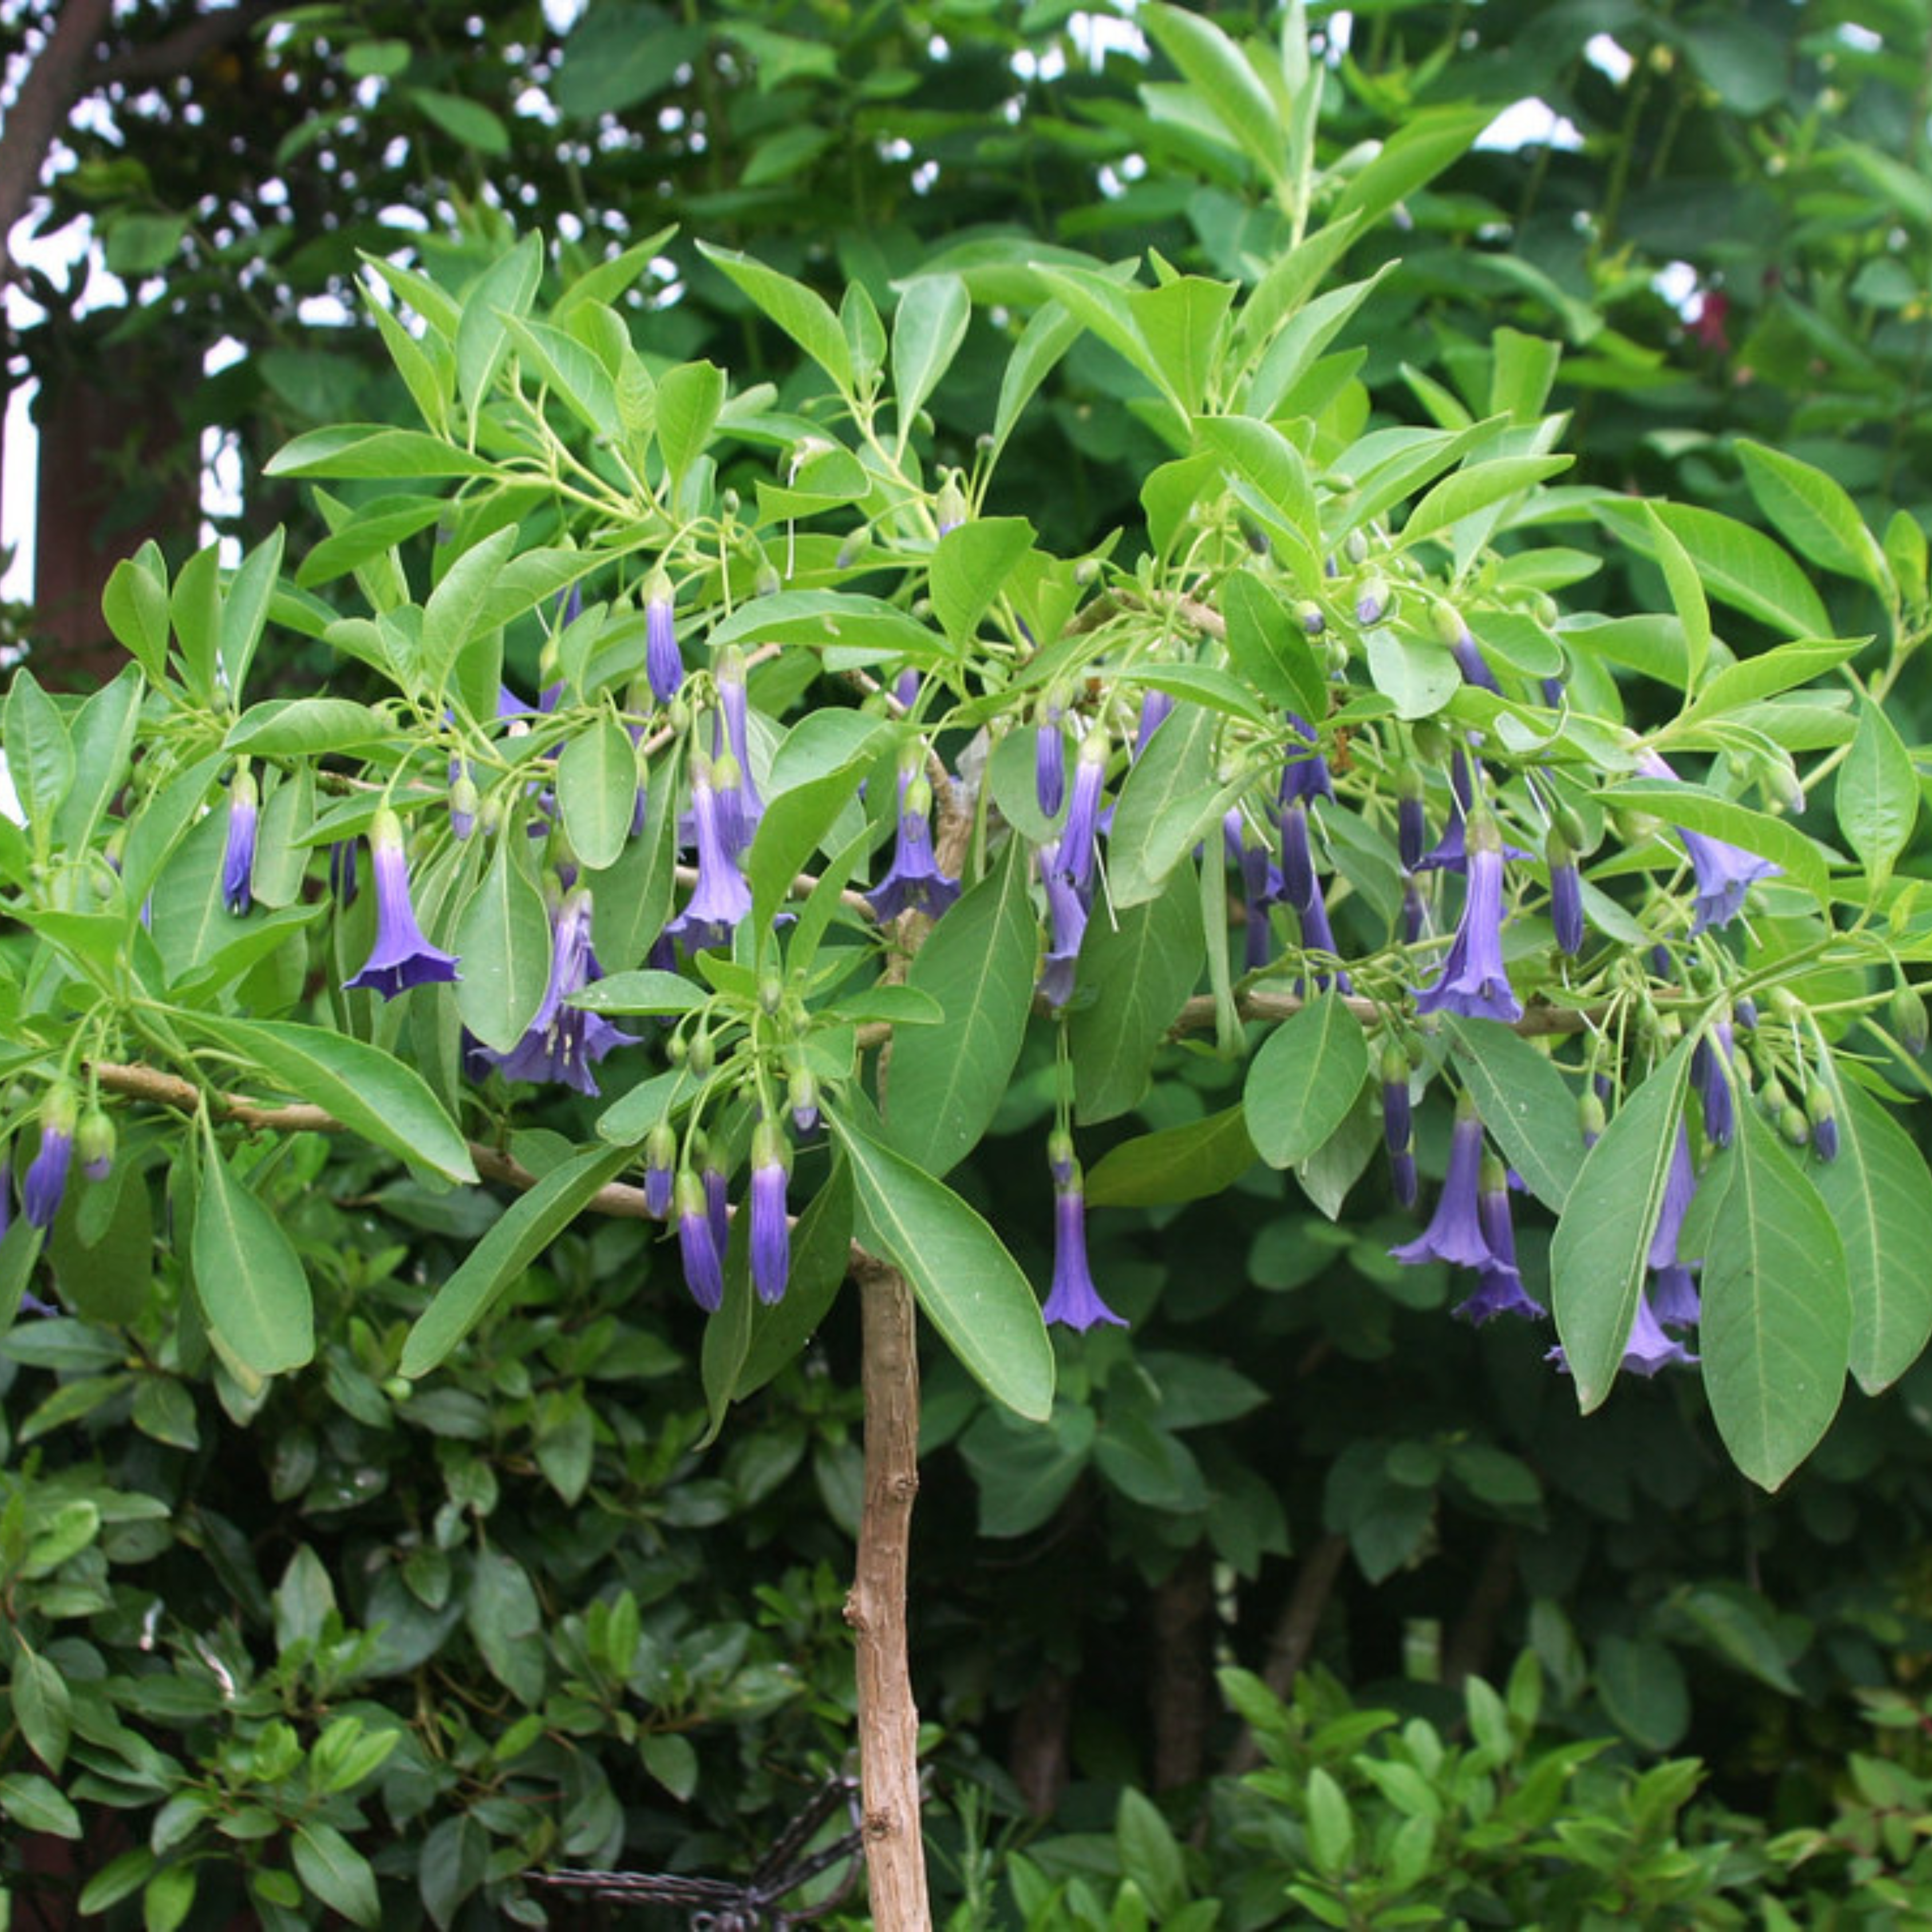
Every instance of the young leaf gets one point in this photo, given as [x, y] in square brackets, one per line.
[254, 1295]
[503, 939]
[1815, 514]
[930, 324]
[803, 315]
[1877, 796]
[1302, 1084]
[597, 791]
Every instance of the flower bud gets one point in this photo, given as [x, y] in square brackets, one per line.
[1308, 614]
[702, 1053]
[1908, 1020]
[464, 803]
[802, 1097]
[1793, 1124]
[767, 582]
[950, 510]
[857, 543]
[660, 1158]
[1824, 1119]
[94, 1141]
[1591, 1118]
[1059, 1157]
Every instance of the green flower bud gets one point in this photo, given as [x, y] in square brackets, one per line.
[1908, 1020]
[1794, 1126]
[94, 1142]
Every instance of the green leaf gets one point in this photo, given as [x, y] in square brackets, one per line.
[41, 1706]
[335, 1872]
[1419, 677]
[644, 991]
[1642, 1688]
[1814, 514]
[306, 727]
[1878, 1196]
[1477, 487]
[1178, 764]
[671, 1759]
[1023, 1473]
[39, 754]
[1219, 71]
[1598, 1259]
[1777, 1315]
[1270, 649]
[801, 314]
[927, 330]
[632, 898]
[947, 1081]
[1193, 1162]
[1427, 141]
[597, 791]
[244, 610]
[464, 120]
[526, 1227]
[1739, 566]
[1182, 322]
[1769, 672]
[868, 627]
[253, 1293]
[1151, 1854]
[371, 1092]
[1044, 341]
[1526, 1106]
[373, 450]
[504, 940]
[102, 736]
[36, 1805]
[506, 288]
[1107, 309]
[1697, 810]
[1687, 595]
[815, 776]
[970, 564]
[689, 398]
[135, 604]
[970, 1288]
[458, 608]
[1302, 1084]
[1877, 796]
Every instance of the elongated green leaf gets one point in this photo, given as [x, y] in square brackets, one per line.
[644, 991]
[814, 779]
[1603, 1240]
[1302, 1082]
[1183, 323]
[1140, 965]
[927, 330]
[1879, 1195]
[970, 1288]
[1270, 649]
[1877, 797]
[1426, 143]
[572, 371]
[597, 791]
[977, 962]
[1776, 1316]
[1178, 763]
[39, 754]
[1189, 1163]
[969, 564]
[102, 736]
[1814, 513]
[457, 609]
[802, 314]
[1697, 810]
[1216, 67]
[507, 287]
[1687, 595]
[244, 610]
[371, 449]
[1104, 308]
[306, 727]
[135, 605]
[253, 1293]
[1525, 1104]
[526, 1227]
[371, 1093]
[1740, 566]
[503, 940]
[1044, 341]
[1476, 488]
[689, 397]
[1755, 678]
[631, 899]
[332, 1869]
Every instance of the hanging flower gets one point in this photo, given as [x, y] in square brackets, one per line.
[401, 957]
[721, 898]
[660, 1151]
[1499, 1288]
[1317, 936]
[1566, 894]
[663, 664]
[1066, 919]
[1711, 1062]
[1451, 629]
[562, 1043]
[94, 1141]
[771, 1233]
[1398, 1124]
[1473, 982]
[46, 1182]
[1411, 822]
[1724, 873]
[914, 883]
[1261, 888]
[1156, 707]
[1049, 762]
[1077, 836]
[1648, 1348]
[733, 733]
[703, 1258]
[237, 860]
[1073, 1299]
[1455, 1232]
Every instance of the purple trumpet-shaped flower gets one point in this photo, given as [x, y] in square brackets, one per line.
[1473, 982]
[1499, 1288]
[1073, 1299]
[660, 1154]
[1648, 1348]
[1452, 631]
[717, 1200]
[1674, 1299]
[1317, 937]
[1305, 774]
[703, 1259]
[1455, 1232]
[46, 1182]
[1710, 1061]
[1680, 1183]
[1414, 912]
[771, 1232]
[914, 884]
[1067, 918]
[238, 858]
[663, 665]
[1049, 762]
[1724, 873]
[735, 737]
[1298, 887]
[721, 898]
[1078, 836]
[1566, 894]
[1261, 888]
[562, 1043]
[401, 957]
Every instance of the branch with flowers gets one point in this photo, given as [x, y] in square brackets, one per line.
[1314, 769]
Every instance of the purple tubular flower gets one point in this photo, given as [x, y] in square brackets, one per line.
[704, 1260]
[1499, 1288]
[1674, 1299]
[1473, 982]
[1298, 859]
[660, 1151]
[1317, 937]
[1066, 916]
[1156, 707]
[914, 884]
[1471, 662]
[1398, 1116]
[1073, 1299]
[1724, 873]
[562, 1043]
[46, 1182]
[1049, 763]
[1680, 1183]
[1649, 1349]
[401, 957]
[1455, 1232]
[905, 688]
[237, 860]
[94, 1141]
[1402, 1178]
[1411, 822]
[1305, 773]
[663, 664]
[1710, 1062]
[717, 1203]
[1566, 895]
[1414, 912]
[771, 1233]
[1261, 888]
[1078, 834]
[733, 703]
[721, 898]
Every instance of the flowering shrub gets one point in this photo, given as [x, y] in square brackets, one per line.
[686, 655]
